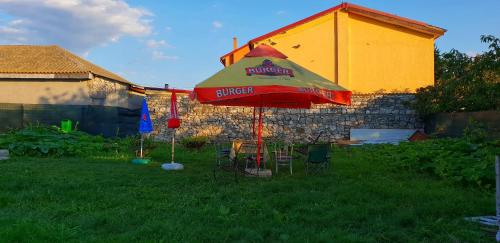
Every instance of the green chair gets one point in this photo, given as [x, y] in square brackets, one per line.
[318, 158]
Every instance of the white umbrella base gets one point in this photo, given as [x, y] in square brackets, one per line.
[172, 166]
[258, 173]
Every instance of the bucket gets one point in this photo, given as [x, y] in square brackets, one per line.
[66, 125]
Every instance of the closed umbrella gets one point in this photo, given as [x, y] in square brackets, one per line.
[266, 78]
[145, 126]
[173, 123]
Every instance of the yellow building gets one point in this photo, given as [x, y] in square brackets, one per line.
[362, 49]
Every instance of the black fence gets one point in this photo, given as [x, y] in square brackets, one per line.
[453, 124]
[97, 120]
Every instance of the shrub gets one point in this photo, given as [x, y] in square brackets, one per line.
[196, 142]
[51, 141]
[475, 132]
[458, 160]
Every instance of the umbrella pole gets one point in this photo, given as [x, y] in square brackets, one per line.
[173, 146]
[253, 123]
[259, 138]
[142, 142]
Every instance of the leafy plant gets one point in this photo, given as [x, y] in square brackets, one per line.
[44, 141]
[458, 160]
[475, 132]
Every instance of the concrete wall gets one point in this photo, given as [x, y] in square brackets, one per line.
[311, 45]
[298, 125]
[96, 91]
[359, 53]
[382, 57]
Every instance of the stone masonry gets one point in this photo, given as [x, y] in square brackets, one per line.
[297, 125]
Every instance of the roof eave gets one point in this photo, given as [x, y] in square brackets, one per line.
[123, 81]
[46, 75]
[300, 22]
[418, 26]
[395, 20]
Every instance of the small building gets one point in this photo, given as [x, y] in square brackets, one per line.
[48, 83]
[361, 49]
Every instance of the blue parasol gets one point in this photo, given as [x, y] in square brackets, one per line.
[145, 125]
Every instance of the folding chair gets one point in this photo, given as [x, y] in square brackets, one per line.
[318, 158]
[223, 161]
[283, 156]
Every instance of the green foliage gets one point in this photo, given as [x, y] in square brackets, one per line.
[462, 82]
[475, 132]
[196, 142]
[43, 141]
[457, 160]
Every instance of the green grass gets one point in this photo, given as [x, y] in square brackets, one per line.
[359, 200]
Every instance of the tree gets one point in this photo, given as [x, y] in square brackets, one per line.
[462, 82]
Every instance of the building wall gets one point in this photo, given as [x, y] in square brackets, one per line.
[297, 125]
[359, 53]
[236, 55]
[383, 57]
[311, 45]
[97, 91]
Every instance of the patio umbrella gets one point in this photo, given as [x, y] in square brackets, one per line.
[173, 122]
[145, 126]
[266, 78]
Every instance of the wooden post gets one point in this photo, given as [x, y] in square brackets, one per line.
[259, 139]
[173, 146]
[497, 172]
[497, 177]
[253, 124]
[142, 142]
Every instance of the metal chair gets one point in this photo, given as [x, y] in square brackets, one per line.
[318, 158]
[283, 156]
[223, 161]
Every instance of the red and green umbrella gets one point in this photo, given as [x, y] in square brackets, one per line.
[266, 78]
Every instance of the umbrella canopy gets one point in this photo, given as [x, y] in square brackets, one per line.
[145, 124]
[173, 121]
[265, 78]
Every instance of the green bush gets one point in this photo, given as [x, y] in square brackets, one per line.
[194, 142]
[458, 160]
[475, 131]
[47, 141]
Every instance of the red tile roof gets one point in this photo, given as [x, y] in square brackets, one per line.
[31, 59]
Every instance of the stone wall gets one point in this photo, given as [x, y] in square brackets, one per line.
[298, 125]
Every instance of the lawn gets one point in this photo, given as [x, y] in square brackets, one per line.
[360, 199]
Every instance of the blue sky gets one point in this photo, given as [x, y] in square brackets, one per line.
[153, 42]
